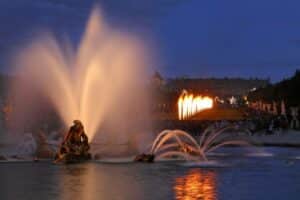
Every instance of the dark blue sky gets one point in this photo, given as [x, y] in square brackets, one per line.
[192, 37]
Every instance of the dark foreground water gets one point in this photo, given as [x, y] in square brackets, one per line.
[271, 174]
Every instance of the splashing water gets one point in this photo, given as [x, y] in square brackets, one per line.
[28, 146]
[165, 145]
[181, 144]
[210, 140]
[101, 82]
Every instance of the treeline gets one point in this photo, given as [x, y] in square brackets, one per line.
[287, 90]
[216, 86]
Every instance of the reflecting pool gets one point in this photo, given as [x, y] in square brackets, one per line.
[271, 174]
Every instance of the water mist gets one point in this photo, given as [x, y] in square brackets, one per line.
[102, 83]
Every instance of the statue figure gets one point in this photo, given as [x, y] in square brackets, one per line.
[75, 146]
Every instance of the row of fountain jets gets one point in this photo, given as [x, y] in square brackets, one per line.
[178, 143]
[169, 144]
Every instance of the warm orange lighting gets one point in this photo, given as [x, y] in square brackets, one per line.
[196, 185]
[189, 105]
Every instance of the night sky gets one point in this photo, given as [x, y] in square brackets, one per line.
[197, 38]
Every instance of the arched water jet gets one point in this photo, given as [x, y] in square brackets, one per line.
[156, 140]
[209, 138]
[166, 135]
[207, 141]
[185, 146]
[168, 146]
[240, 143]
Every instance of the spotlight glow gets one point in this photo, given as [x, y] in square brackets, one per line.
[189, 105]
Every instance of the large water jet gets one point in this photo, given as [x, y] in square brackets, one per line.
[101, 83]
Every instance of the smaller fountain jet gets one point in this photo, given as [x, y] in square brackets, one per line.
[75, 147]
[178, 143]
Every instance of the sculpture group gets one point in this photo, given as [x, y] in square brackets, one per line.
[75, 146]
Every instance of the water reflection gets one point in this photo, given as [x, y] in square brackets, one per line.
[77, 182]
[92, 182]
[196, 184]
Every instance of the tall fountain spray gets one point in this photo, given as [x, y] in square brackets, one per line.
[101, 82]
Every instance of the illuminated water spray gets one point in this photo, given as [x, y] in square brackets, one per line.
[189, 105]
[89, 83]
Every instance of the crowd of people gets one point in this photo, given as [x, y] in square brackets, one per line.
[258, 121]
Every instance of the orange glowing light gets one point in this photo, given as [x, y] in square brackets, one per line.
[189, 105]
[196, 184]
